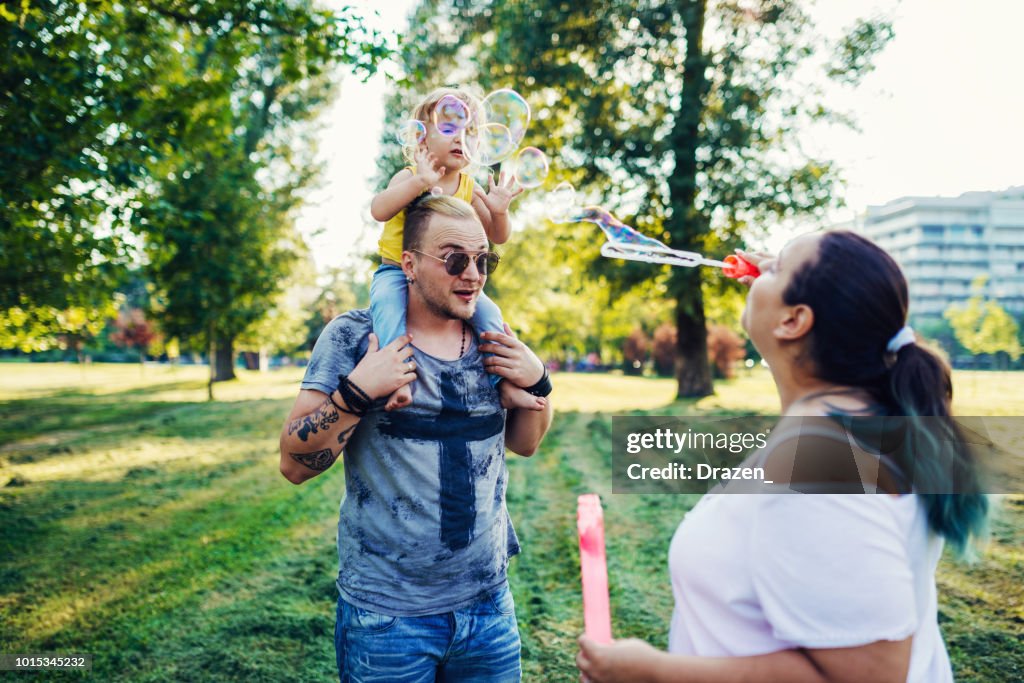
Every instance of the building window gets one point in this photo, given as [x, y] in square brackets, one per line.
[932, 230]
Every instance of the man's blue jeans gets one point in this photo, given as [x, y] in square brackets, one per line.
[472, 645]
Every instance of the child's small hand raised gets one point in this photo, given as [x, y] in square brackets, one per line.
[426, 168]
[499, 195]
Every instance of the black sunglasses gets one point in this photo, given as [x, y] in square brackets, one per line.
[456, 262]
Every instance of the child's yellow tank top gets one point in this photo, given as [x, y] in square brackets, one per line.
[390, 242]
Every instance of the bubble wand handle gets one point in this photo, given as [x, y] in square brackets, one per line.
[736, 267]
[597, 620]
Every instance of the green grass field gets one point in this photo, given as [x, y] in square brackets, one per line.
[150, 528]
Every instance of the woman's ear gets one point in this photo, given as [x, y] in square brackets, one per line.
[797, 322]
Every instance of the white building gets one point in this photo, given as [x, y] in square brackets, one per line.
[944, 243]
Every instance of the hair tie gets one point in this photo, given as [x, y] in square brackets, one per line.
[900, 339]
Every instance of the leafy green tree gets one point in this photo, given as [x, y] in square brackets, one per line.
[42, 328]
[113, 117]
[983, 326]
[683, 118]
[66, 91]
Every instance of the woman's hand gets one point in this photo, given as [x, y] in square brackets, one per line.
[756, 258]
[629, 661]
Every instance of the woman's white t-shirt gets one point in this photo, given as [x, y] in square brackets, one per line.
[758, 573]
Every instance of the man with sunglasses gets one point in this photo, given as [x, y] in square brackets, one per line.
[424, 537]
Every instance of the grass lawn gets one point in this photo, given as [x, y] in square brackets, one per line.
[150, 528]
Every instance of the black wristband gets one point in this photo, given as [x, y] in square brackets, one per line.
[541, 388]
[330, 397]
[355, 398]
[362, 394]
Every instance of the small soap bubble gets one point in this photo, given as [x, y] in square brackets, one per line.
[561, 203]
[411, 133]
[488, 144]
[451, 116]
[508, 108]
[531, 167]
[436, 191]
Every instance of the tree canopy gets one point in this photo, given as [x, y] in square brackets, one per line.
[170, 134]
[687, 120]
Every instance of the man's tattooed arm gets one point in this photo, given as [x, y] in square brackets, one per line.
[319, 421]
[315, 435]
[317, 461]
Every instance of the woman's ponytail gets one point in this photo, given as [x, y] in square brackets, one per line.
[936, 457]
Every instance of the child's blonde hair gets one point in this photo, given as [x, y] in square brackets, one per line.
[424, 111]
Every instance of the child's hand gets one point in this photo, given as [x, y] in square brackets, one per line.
[500, 195]
[426, 168]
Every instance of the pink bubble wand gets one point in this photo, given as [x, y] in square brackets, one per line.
[597, 618]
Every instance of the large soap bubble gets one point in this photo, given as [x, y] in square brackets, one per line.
[508, 108]
[451, 115]
[530, 167]
[488, 144]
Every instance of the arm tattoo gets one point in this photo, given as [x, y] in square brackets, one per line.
[317, 461]
[343, 437]
[321, 419]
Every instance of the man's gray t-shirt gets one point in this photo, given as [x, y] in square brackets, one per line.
[423, 527]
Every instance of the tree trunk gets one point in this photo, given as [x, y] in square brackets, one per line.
[223, 360]
[689, 224]
[211, 354]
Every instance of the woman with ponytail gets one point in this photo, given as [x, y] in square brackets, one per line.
[834, 587]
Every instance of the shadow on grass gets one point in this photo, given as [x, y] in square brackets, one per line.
[74, 425]
[195, 574]
[22, 419]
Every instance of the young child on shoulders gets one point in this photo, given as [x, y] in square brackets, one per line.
[439, 162]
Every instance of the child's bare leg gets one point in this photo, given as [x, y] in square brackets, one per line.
[514, 397]
[400, 398]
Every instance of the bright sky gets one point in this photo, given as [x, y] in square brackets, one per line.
[942, 114]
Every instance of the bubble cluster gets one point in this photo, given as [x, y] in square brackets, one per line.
[488, 132]
[530, 167]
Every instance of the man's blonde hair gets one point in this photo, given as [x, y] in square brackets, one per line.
[417, 217]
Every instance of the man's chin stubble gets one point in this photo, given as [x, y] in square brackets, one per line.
[447, 312]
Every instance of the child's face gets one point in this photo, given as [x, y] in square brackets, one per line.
[447, 149]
